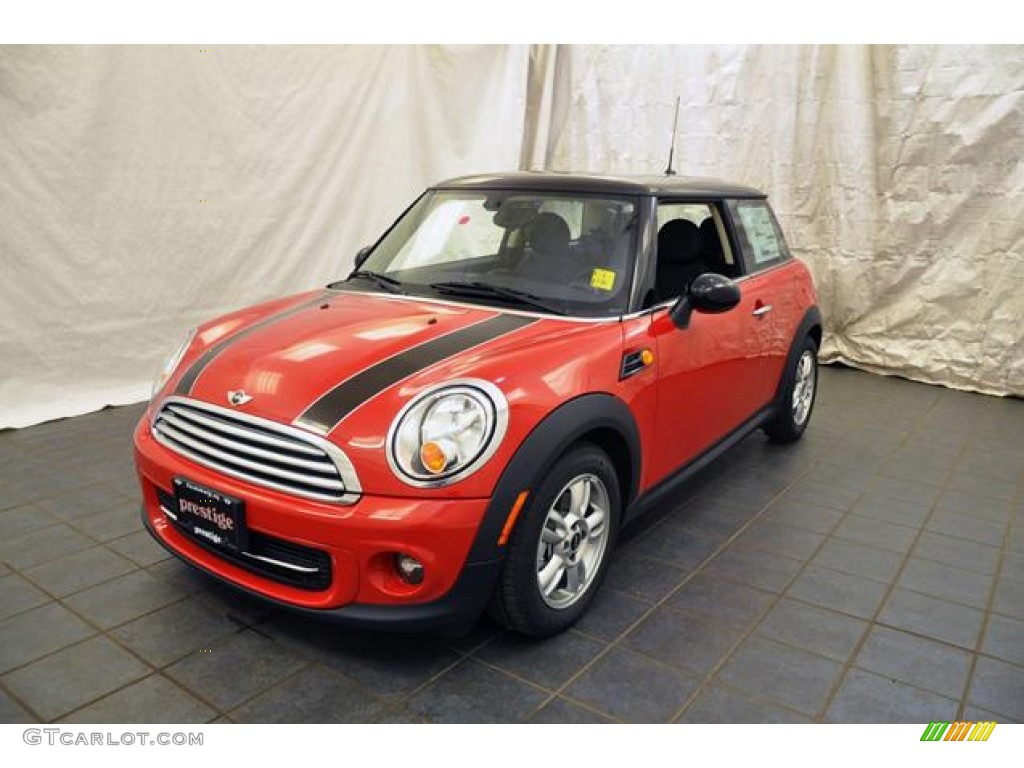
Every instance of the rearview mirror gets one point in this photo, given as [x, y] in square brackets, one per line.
[709, 293]
[362, 254]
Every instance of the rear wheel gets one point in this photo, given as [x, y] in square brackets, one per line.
[559, 552]
[798, 396]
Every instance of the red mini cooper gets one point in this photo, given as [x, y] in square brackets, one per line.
[520, 366]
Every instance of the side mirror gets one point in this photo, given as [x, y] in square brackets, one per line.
[709, 293]
[713, 293]
[362, 254]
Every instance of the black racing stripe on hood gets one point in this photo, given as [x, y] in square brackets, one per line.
[188, 380]
[327, 412]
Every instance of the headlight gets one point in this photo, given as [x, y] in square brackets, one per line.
[447, 432]
[171, 363]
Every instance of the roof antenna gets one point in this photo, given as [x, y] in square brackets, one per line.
[670, 171]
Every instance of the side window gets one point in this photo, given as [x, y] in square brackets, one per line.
[691, 241]
[695, 212]
[759, 234]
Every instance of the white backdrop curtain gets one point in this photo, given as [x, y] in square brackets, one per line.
[897, 173]
[144, 189]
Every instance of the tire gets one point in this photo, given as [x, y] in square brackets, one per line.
[582, 545]
[798, 395]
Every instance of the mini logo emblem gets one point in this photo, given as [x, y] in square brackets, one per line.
[238, 397]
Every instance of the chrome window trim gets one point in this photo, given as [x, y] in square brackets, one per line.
[649, 310]
[352, 488]
[766, 270]
[737, 280]
[497, 427]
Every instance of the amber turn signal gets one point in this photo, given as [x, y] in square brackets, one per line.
[511, 520]
[647, 357]
[433, 457]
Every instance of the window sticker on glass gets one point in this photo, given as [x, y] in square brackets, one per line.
[757, 223]
[602, 279]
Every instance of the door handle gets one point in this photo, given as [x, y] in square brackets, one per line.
[763, 309]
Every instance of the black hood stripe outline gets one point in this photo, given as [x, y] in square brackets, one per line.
[319, 429]
[333, 406]
[188, 381]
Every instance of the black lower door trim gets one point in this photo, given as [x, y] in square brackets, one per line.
[653, 497]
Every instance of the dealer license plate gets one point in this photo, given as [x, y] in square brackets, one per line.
[210, 515]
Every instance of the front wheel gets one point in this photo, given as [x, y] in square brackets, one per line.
[559, 552]
[798, 396]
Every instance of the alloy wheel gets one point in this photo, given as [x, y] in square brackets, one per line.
[803, 387]
[573, 541]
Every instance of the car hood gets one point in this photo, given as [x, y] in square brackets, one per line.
[313, 360]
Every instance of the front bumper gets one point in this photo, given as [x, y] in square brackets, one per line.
[457, 610]
[359, 540]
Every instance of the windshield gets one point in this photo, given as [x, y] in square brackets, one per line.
[560, 253]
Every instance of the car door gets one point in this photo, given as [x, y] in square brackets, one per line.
[709, 373]
[770, 279]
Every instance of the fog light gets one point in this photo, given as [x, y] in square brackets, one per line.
[409, 568]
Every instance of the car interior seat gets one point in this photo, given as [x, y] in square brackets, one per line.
[711, 248]
[548, 236]
[679, 258]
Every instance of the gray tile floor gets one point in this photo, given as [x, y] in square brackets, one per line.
[873, 572]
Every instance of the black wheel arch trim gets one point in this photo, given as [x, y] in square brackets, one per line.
[547, 441]
[810, 320]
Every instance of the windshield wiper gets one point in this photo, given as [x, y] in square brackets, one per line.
[476, 288]
[383, 281]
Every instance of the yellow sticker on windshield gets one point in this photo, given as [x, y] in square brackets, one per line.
[602, 279]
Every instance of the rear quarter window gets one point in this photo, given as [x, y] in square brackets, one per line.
[760, 238]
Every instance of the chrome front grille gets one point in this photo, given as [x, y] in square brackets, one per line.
[258, 450]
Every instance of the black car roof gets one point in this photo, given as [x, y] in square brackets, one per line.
[662, 186]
